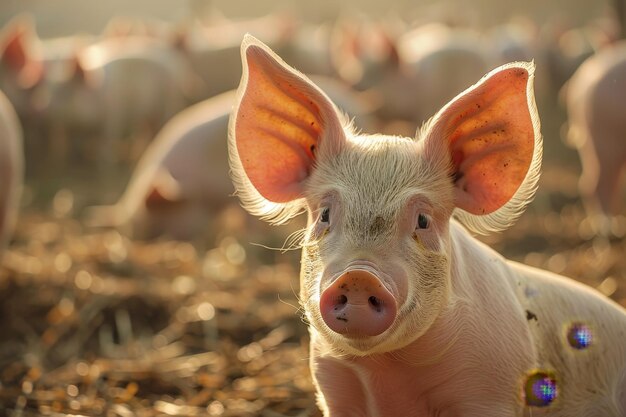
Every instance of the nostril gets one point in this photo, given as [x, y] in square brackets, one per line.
[376, 303]
[342, 299]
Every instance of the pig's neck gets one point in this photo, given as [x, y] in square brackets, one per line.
[479, 276]
[442, 365]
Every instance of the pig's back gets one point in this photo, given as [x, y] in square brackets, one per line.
[200, 159]
[608, 96]
[192, 147]
[597, 89]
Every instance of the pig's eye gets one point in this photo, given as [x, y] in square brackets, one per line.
[423, 221]
[325, 216]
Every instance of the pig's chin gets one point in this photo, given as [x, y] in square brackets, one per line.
[354, 344]
[401, 334]
[359, 345]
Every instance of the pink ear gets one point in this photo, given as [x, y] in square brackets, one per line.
[14, 50]
[281, 122]
[490, 133]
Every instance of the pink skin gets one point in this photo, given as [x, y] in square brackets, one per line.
[384, 267]
[11, 169]
[595, 102]
[455, 339]
[181, 180]
[115, 90]
[357, 304]
[481, 187]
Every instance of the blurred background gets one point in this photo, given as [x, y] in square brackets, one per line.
[132, 283]
[93, 17]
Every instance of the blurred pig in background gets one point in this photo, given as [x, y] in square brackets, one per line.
[519, 40]
[181, 180]
[433, 55]
[11, 168]
[119, 88]
[181, 183]
[21, 68]
[212, 47]
[596, 99]
[363, 51]
[414, 72]
[308, 48]
[29, 69]
[567, 46]
[79, 98]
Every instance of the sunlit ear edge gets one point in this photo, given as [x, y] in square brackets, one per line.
[251, 199]
[507, 215]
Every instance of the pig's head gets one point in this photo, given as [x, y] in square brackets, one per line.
[376, 254]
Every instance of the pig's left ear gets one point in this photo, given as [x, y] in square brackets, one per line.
[491, 135]
[281, 126]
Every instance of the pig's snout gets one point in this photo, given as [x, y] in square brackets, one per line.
[358, 304]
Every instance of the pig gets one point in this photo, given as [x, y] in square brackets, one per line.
[12, 167]
[213, 51]
[432, 55]
[21, 79]
[595, 98]
[362, 51]
[423, 60]
[567, 49]
[515, 41]
[116, 89]
[409, 314]
[519, 40]
[21, 67]
[308, 49]
[181, 182]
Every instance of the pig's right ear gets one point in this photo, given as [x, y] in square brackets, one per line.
[280, 127]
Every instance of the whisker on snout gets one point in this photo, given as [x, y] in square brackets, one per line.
[294, 241]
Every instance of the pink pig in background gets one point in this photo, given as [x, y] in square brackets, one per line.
[181, 182]
[596, 96]
[11, 169]
[409, 314]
